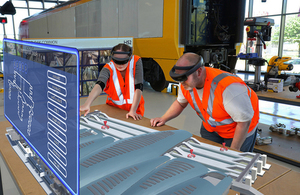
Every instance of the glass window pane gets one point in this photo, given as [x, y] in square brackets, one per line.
[34, 11]
[55, 59]
[247, 9]
[270, 7]
[104, 56]
[71, 70]
[16, 4]
[34, 4]
[292, 36]
[89, 57]
[90, 73]
[70, 60]
[80, 57]
[86, 87]
[293, 6]
[49, 5]
[273, 45]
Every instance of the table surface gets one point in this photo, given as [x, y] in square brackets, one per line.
[287, 184]
[285, 97]
[24, 179]
[284, 148]
[28, 184]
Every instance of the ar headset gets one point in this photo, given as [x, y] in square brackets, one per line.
[121, 60]
[183, 77]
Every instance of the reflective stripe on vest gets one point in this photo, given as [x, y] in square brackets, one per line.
[249, 91]
[196, 105]
[211, 121]
[121, 100]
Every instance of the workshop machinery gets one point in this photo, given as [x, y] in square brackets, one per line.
[207, 29]
[295, 86]
[276, 65]
[258, 32]
[281, 129]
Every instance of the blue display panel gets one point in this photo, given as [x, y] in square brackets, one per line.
[41, 101]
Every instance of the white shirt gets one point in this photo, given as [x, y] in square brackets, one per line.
[235, 100]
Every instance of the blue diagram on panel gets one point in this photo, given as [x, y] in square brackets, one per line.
[24, 97]
[41, 102]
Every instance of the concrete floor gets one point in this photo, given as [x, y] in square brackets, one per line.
[156, 104]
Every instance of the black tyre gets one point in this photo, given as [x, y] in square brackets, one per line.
[154, 74]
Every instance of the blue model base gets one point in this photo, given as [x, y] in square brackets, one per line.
[200, 186]
[171, 173]
[127, 152]
[137, 165]
[119, 181]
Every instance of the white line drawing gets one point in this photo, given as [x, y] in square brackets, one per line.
[58, 166]
[57, 88]
[56, 99]
[24, 97]
[57, 110]
[62, 79]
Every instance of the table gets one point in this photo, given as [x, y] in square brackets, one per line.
[28, 184]
[276, 171]
[283, 148]
[287, 184]
[24, 179]
[285, 97]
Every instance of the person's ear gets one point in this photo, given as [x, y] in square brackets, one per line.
[199, 71]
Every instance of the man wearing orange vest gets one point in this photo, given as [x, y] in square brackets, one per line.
[227, 106]
[122, 80]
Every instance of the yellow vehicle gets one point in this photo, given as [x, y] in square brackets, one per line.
[162, 29]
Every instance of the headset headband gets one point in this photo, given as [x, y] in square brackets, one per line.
[183, 77]
[121, 52]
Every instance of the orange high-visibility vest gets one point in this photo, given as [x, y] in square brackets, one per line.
[211, 109]
[120, 93]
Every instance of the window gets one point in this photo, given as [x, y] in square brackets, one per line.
[34, 4]
[270, 7]
[293, 6]
[292, 36]
[273, 9]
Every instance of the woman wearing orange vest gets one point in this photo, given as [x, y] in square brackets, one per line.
[122, 80]
[227, 106]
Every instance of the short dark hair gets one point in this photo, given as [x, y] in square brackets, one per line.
[122, 47]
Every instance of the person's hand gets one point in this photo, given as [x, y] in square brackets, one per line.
[84, 108]
[134, 115]
[157, 122]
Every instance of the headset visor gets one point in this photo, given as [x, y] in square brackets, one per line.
[120, 61]
[183, 77]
